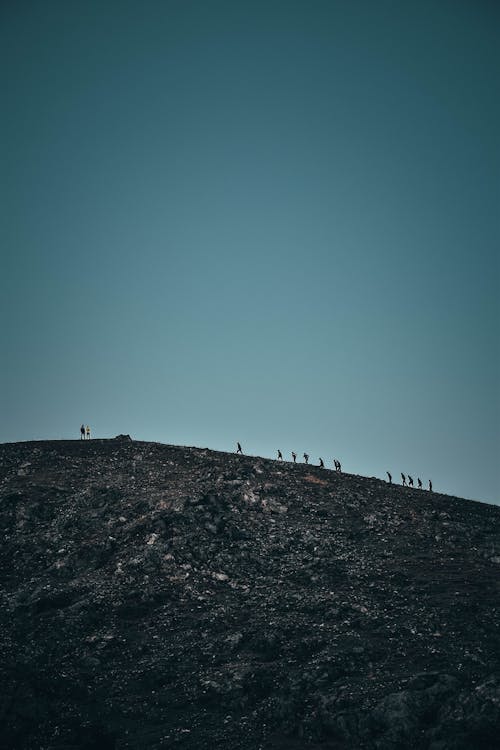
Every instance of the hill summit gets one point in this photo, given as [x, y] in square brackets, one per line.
[156, 596]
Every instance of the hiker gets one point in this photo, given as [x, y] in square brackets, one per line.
[321, 464]
[306, 458]
[280, 455]
[336, 464]
[430, 486]
[419, 483]
[294, 456]
[390, 476]
[339, 466]
[82, 432]
[410, 481]
[87, 431]
[404, 479]
[239, 449]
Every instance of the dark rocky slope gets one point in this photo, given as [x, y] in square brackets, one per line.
[156, 596]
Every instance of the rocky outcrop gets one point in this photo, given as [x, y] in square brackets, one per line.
[155, 596]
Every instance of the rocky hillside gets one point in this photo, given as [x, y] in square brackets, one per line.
[165, 597]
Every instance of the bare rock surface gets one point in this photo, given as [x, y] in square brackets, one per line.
[156, 596]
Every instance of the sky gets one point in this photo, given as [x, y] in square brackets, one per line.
[273, 222]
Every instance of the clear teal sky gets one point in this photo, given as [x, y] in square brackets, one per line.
[273, 222]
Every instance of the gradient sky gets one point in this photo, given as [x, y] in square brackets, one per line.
[273, 222]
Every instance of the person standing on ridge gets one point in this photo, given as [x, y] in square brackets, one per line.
[238, 450]
[404, 479]
[306, 458]
[390, 476]
[410, 481]
[294, 456]
[87, 431]
[82, 432]
[280, 455]
[339, 466]
[430, 486]
[419, 483]
[321, 464]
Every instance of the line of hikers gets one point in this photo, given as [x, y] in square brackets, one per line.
[321, 464]
[84, 432]
[338, 467]
[409, 482]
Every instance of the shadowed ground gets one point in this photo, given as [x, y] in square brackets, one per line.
[159, 596]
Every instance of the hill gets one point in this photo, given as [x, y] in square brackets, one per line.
[156, 596]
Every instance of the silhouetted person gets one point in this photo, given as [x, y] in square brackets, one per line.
[410, 481]
[294, 456]
[82, 432]
[87, 431]
[339, 466]
[321, 464]
[390, 476]
[419, 483]
[430, 486]
[404, 479]
[280, 456]
[306, 458]
[239, 449]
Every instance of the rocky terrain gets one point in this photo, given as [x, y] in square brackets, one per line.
[156, 596]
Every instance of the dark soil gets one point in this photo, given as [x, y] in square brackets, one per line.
[156, 596]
